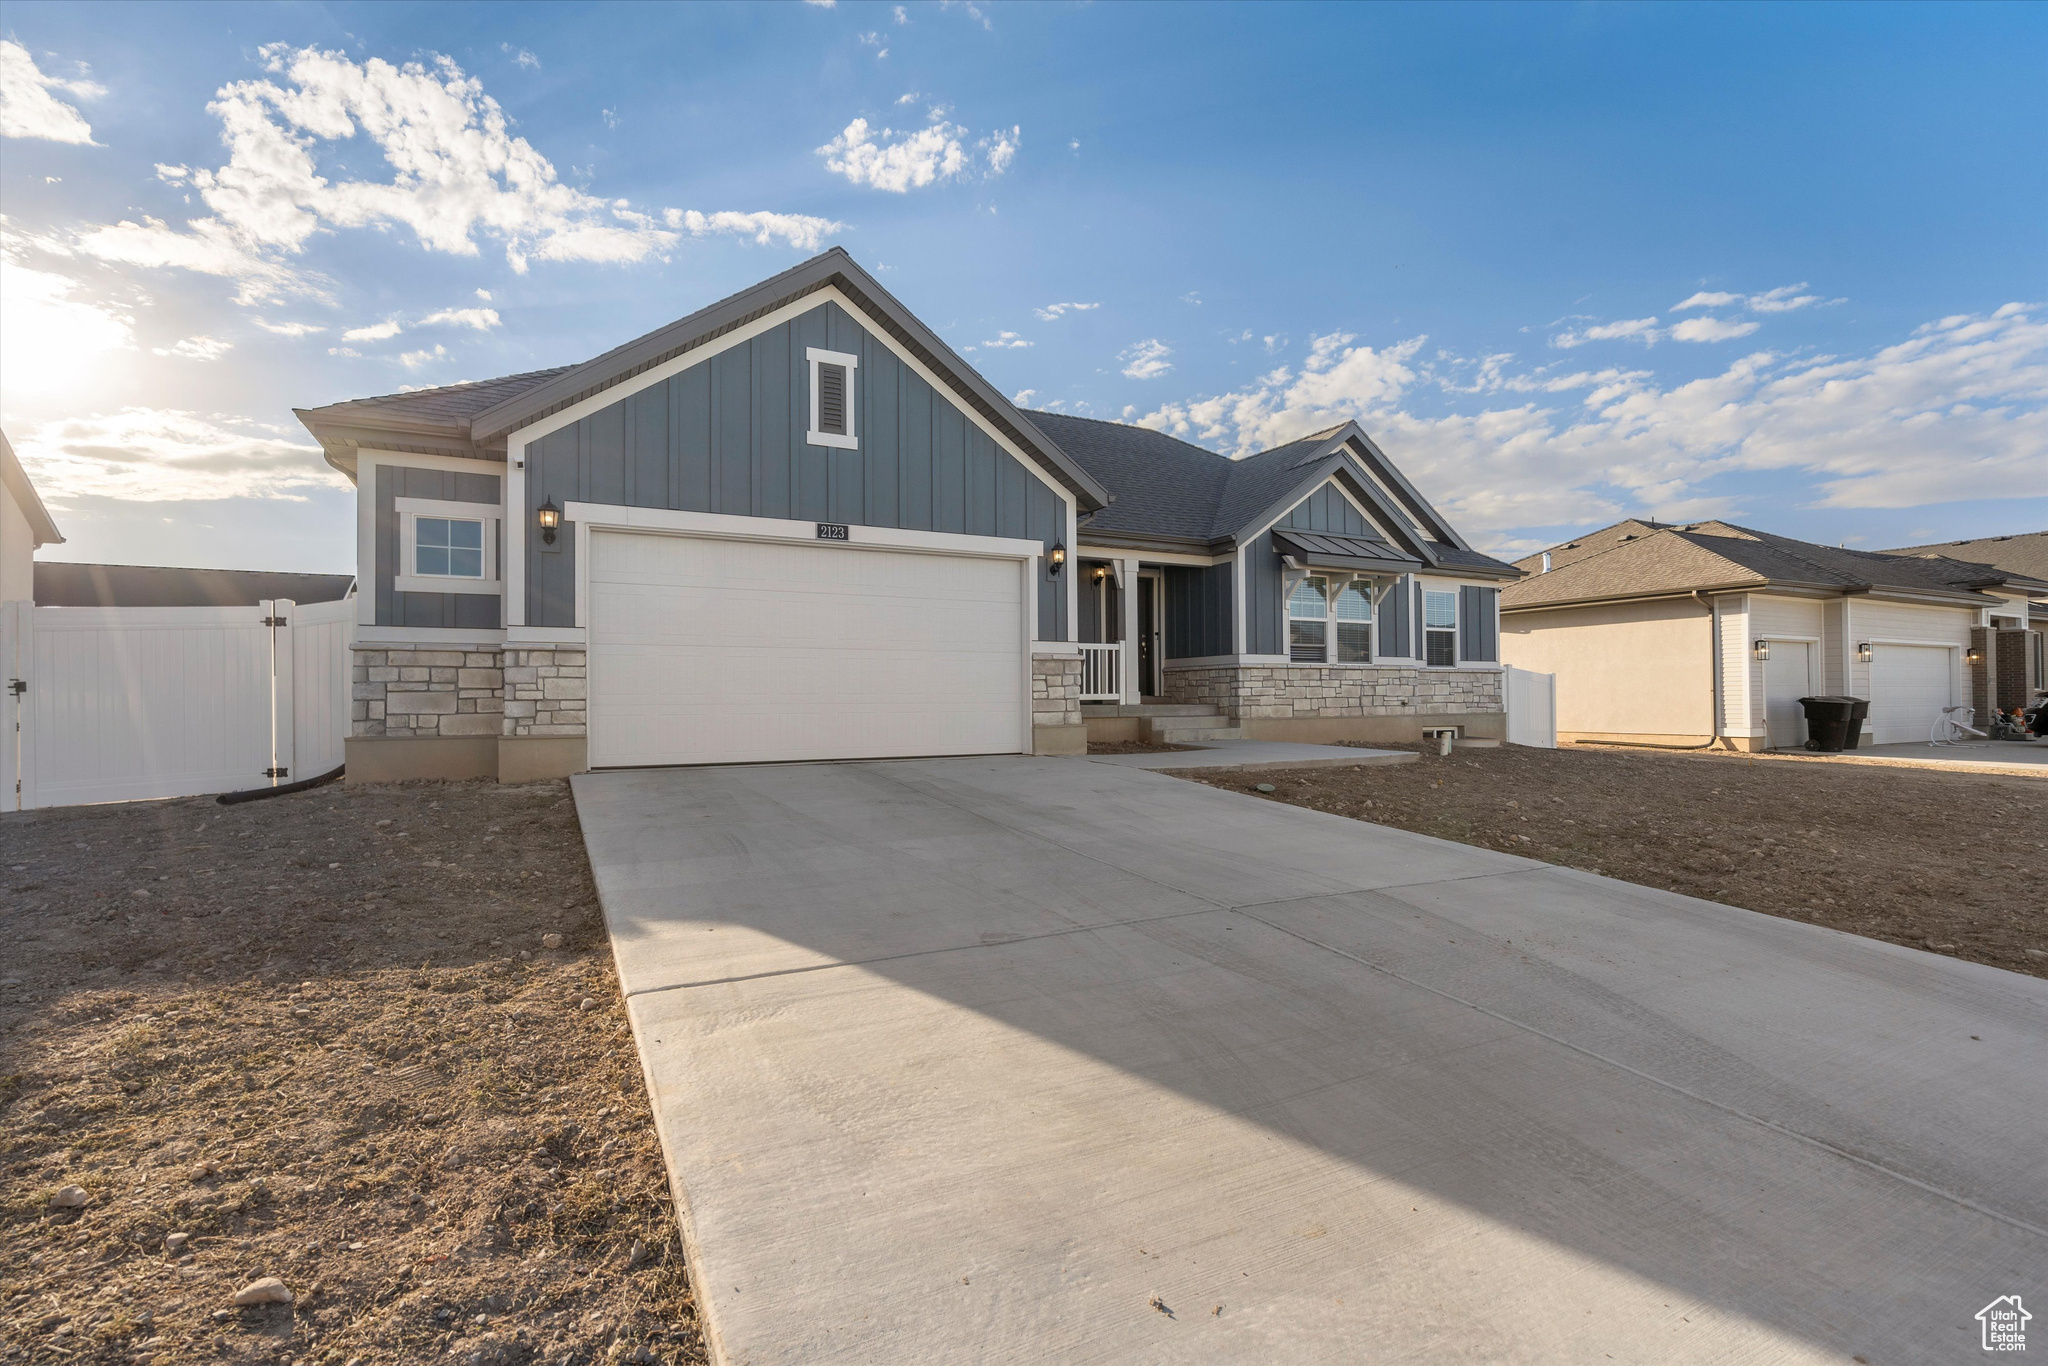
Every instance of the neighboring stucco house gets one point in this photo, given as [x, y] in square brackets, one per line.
[25, 527]
[1711, 633]
[795, 525]
[2017, 648]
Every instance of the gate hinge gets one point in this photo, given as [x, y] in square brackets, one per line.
[274, 621]
[277, 773]
[17, 686]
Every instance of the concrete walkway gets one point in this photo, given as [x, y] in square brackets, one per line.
[1247, 754]
[2026, 757]
[1034, 1060]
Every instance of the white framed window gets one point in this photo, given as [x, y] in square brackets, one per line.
[1354, 623]
[832, 391]
[1439, 628]
[446, 547]
[1308, 621]
[1330, 621]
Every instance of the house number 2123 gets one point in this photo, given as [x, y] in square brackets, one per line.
[831, 531]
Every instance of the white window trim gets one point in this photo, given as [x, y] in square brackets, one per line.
[1457, 613]
[410, 510]
[1335, 581]
[817, 357]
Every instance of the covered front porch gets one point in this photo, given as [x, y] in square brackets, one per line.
[1121, 628]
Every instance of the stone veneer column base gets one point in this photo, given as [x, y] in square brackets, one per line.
[1056, 724]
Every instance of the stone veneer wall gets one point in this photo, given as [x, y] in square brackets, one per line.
[1280, 691]
[410, 693]
[415, 692]
[1056, 690]
[546, 691]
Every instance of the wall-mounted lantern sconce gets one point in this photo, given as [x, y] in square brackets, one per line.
[1101, 573]
[1973, 655]
[550, 518]
[1863, 653]
[1056, 557]
[1763, 649]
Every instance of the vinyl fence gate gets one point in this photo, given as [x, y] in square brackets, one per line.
[1532, 709]
[111, 704]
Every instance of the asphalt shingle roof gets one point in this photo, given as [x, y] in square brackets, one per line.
[1163, 486]
[2025, 553]
[1632, 559]
[447, 403]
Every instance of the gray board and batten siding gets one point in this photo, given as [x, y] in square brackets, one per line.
[464, 611]
[727, 436]
[1325, 510]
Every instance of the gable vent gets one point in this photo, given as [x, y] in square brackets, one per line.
[832, 399]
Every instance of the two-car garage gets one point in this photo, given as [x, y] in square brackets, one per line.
[708, 649]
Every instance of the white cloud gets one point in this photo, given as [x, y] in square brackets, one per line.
[197, 348]
[484, 294]
[1191, 297]
[823, 4]
[900, 161]
[1052, 311]
[1959, 407]
[610, 117]
[458, 174]
[171, 455]
[907, 97]
[901, 15]
[1023, 397]
[55, 341]
[1146, 359]
[1006, 341]
[520, 57]
[972, 11]
[413, 360]
[1784, 299]
[29, 110]
[802, 231]
[1643, 330]
[1712, 329]
[383, 331]
[348, 351]
[482, 319]
[874, 40]
[288, 329]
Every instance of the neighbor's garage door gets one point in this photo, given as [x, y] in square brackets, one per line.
[1909, 685]
[706, 651]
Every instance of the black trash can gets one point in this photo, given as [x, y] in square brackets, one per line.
[1858, 714]
[1827, 722]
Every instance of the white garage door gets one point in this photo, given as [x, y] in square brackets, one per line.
[1909, 685]
[706, 651]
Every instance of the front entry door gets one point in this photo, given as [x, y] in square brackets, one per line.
[1148, 634]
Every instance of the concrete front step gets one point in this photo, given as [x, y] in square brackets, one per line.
[1178, 735]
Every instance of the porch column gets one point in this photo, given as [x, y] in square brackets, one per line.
[1127, 581]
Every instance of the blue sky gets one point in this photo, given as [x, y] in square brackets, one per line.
[1785, 264]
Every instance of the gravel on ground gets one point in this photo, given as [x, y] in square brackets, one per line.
[1953, 863]
[366, 1041]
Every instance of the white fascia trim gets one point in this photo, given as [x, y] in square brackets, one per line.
[817, 356]
[517, 441]
[1124, 552]
[417, 637]
[455, 463]
[545, 635]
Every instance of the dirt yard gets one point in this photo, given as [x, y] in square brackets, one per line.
[1950, 862]
[324, 1038]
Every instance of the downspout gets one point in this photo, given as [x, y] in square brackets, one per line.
[1714, 625]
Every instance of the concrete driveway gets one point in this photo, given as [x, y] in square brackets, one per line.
[1045, 1060]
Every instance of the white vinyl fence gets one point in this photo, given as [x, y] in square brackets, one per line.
[114, 704]
[1532, 709]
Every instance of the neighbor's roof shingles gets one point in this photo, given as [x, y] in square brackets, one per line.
[2025, 553]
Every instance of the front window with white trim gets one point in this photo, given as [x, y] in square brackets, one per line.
[1439, 628]
[1317, 618]
[833, 376]
[446, 547]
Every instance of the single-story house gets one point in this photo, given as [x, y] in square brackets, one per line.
[2018, 649]
[25, 528]
[796, 525]
[1710, 633]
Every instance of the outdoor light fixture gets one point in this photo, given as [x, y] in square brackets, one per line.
[1056, 557]
[550, 518]
[1763, 649]
[1101, 573]
[1863, 653]
[1973, 655]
